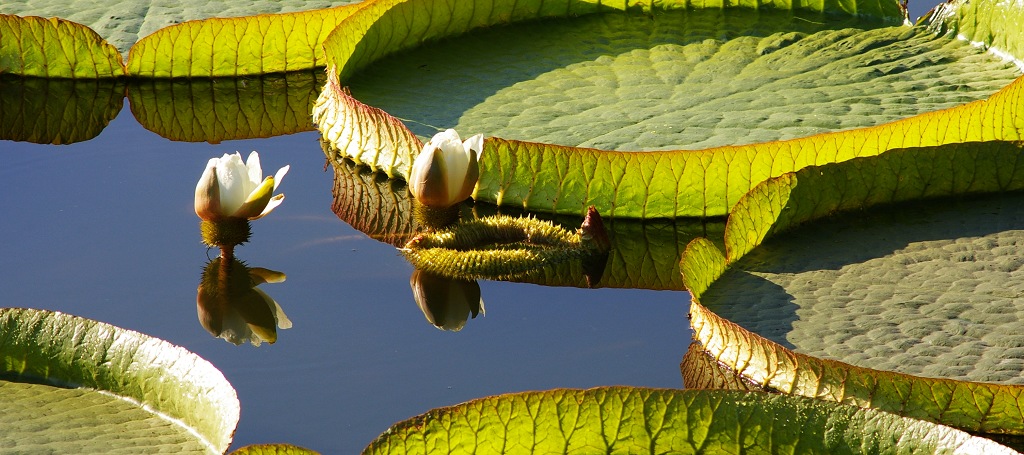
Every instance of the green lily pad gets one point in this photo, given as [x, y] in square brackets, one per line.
[770, 213]
[689, 79]
[124, 22]
[637, 420]
[565, 180]
[73, 385]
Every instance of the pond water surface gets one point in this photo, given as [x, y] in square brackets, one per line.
[105, 229]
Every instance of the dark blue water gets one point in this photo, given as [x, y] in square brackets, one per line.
[105, 229]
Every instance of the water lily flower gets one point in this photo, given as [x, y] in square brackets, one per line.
[446, 170]
[230, 188]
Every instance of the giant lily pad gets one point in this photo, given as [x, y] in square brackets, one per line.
[775, 207]
[564, 179]
[73, 385]
[636, 420]
[253, 37]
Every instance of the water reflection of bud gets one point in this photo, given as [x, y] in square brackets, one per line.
[231, 307]
[446, 303]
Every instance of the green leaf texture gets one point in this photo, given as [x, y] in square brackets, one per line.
[705, 183]
[624, 420]
[75, 385]
[228, 47]
[382, 27]
[55, 48]
[817, 192]
[970, 406]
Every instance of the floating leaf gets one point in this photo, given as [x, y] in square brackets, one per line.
[55, 48]
[76, 385]
[813, 193]
[970, 406]
[248, 45]
[689, 79]
[361, 133]
[636, 420]
[565, 180]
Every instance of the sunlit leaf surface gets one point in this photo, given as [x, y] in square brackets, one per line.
[73, 385]
[679, 80]
[632, 420]
[248, 45]
[55, 48]
[123, 22]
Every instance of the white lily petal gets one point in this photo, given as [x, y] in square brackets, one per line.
[207, 200]
[254, 171]
[475, 143]
[280, 175]
[232, 177]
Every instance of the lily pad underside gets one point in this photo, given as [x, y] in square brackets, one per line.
[637, 420]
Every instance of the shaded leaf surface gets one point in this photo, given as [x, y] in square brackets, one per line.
[971, 406]
[930, 289]
[813, 193]
[679, 80]
[69, 362]
[633, 420]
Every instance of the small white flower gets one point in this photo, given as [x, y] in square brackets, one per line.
[230, 188]
[446, 170]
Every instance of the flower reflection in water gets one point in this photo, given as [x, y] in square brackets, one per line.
[446, 303]
[230, 306]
